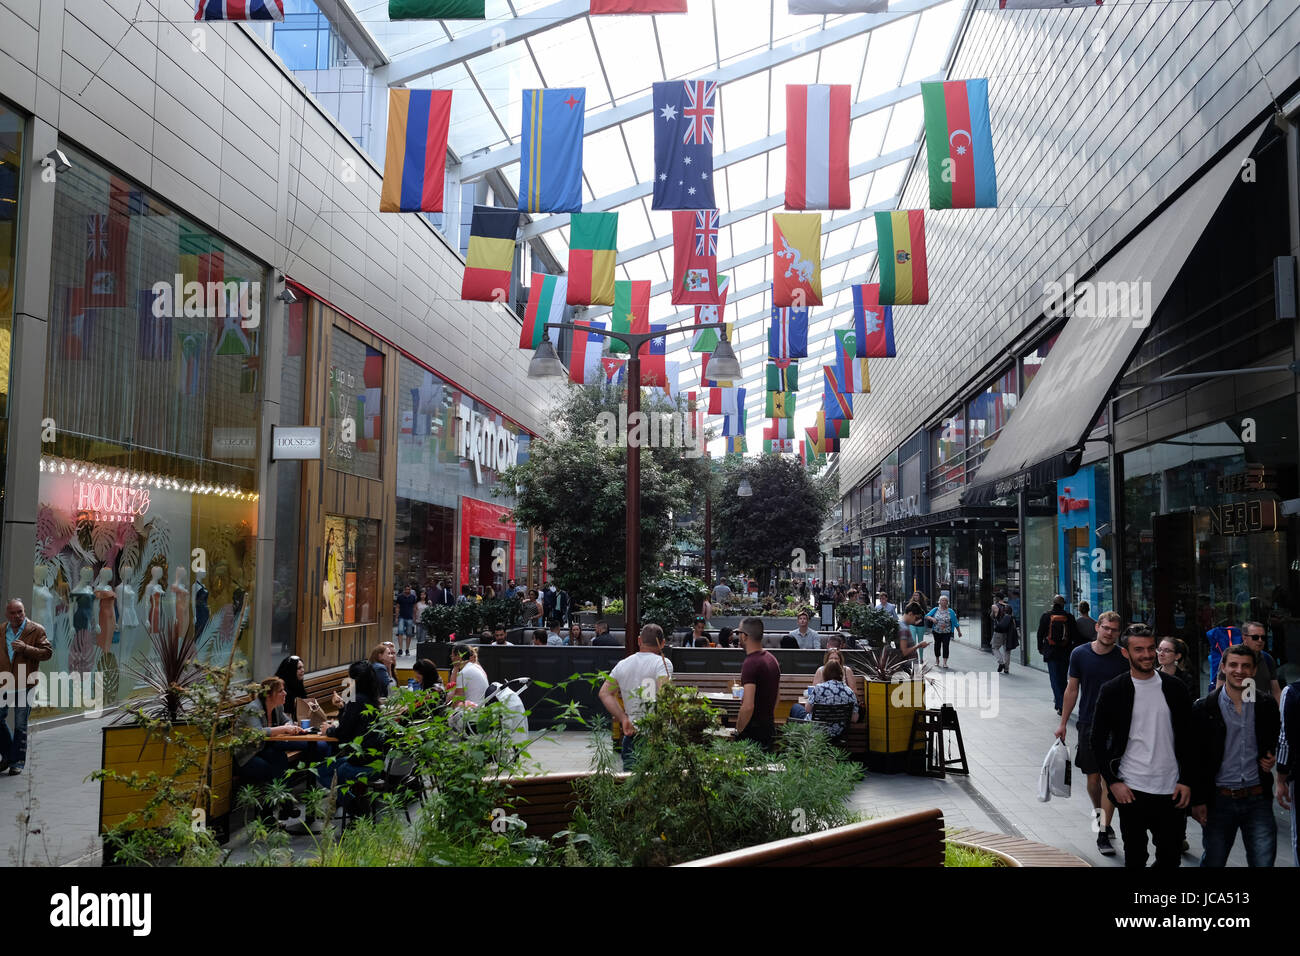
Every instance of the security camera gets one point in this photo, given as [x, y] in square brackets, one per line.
[59, 160]
[286, 296]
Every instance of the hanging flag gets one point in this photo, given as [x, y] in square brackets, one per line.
[788, 336]
[817, 146]
[155, 332]
[873, 323]
[545, 304]
[815, 441]
[106, 241]
[736, 424]
[835, 401]
[239, 10]
[550, 151]
[777, 446]
[780, 404]
[831, 7]
[593, 250]
[959, 144]
[654, 370]
[672, 374]
[780, 428]
[437, 9]
[631, 310]
[415, 164]
[615, 370]
[782, 375]
[900, 246]
[599, 7]
[726, 400]
[831, 428]
[706, 340]
[78, 325]
[705, 381]
[695, 257]
[201, 257]
[490, 260]
[735, 444]
[585, 367]
[797, 245]
[684, 112]
[849, 369]
[1045, 4]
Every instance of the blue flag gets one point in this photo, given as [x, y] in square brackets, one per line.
[788, 336]
[550, 151]
[684, 111]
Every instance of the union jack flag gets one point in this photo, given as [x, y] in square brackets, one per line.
[706, 232]
[701, 96]
[97, 236]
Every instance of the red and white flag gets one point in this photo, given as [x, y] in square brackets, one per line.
[817, 146]
[695, 257]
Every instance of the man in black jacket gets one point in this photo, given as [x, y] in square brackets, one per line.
[1142, 736]
[1236, 731]
[1057, 632]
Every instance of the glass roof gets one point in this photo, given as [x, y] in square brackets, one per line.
[759, 48]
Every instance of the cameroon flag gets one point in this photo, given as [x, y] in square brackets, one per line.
[593, 250]
[631, 310]
[491, 256]
[780, 404]
[900, 244]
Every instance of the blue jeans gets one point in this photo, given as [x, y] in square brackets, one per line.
[13, 747]
[1254, 816]
[797, 712]
[627, 749]
[405, 625]
[1058, 673]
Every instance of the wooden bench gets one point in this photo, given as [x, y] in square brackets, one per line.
[910, 839]
[323, 685]
[546, 802]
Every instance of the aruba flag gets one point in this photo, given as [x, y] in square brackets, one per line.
[959, 144]
[545, 304]
[593, 250]
[550, 151]
[490, 259]
[415, 164]
[631, 310]
[900, 245]
[873, 323]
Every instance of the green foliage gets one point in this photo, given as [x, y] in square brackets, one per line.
[467, 617]
[874, 625]
[614, 607]
[691, 795]
[439, 620]
[506, 612]
[573, 490]
[786, 511]
[954, 855]
[670, 601]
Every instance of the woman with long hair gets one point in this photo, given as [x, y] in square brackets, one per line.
[1171, 656]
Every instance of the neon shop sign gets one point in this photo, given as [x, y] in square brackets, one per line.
[108, 502]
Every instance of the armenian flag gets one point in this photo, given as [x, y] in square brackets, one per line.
[437, 9]
[545, 304]
[415, 164]
[490, 259]
[873, 323]
[900, 245]
[782, 375]
[959, 144]
[593, 250]
[797, 245]
[550, 151]
[780, 404]
[631, 310]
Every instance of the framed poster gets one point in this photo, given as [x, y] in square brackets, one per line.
[351, 578]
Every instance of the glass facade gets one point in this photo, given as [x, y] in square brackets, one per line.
[986, 413]
[354, 422]
[306, 40]
[288, 482]
[11, 158]
[147, 517]
[351, 574]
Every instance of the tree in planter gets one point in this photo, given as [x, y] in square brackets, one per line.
[787, 509]
[670, 601]
[573, 490]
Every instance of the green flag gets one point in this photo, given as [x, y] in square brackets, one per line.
[436, 9]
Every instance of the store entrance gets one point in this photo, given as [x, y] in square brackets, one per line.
[486, 556]
[922, 573]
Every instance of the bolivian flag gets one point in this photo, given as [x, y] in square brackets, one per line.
[631, 310]
[415, 165]
[437, 9]
[780, 404]
[491, 256]
[593, 249]
[900, 239]
[959, 144]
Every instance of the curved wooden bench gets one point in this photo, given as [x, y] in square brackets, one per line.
[1014, 851]
[546, 802]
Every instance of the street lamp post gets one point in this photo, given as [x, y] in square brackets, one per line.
[726, 367]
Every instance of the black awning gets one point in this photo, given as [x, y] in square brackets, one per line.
[964, 518]
[1112, 309]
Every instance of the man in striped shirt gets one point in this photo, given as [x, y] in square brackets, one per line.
[1288, 762]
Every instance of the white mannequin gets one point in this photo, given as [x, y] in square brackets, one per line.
[43, 597]
[153, 597]
[180, 601]
[126, 600]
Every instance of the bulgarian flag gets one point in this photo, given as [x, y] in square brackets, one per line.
[545, 304]
[959, 143]
[593, 245]
[706, 340]
[631, 310]
[900, 245]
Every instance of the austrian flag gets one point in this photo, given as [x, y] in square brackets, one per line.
[817, 146]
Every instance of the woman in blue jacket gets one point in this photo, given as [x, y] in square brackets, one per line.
[945, 622]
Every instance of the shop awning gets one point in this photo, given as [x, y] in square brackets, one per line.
[1043, 440]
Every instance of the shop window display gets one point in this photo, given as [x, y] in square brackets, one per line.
[355, 423]
[351, 580]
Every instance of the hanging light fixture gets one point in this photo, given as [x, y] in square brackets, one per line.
[743, 490]
[723, 365]
[545, 362]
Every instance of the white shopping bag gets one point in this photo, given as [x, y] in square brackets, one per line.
[1054, 778]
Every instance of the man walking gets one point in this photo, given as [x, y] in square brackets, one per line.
[406, 602]
[760, 676]
[1235, 730]
[1056, 633]
[636, 679]
[808, 638]
[882, 601]
[25, 646]
[1084, 624]
[1288, 764]
[1005, 634]
[1142, 736]
[1254, 635]
[1092, 665]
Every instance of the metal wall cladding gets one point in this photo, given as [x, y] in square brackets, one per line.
[1099, 115]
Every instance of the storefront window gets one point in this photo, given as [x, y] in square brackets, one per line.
[147, 515]
[351, 580]
[288, 482]
[1085, 550]
[986, 413]
[947, 455]
[354, 426]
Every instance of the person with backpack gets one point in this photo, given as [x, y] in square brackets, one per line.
[1056, 633]
[1006, 637]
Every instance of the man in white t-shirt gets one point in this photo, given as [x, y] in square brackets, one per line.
[636, 680]
[808, 638]
[1142, 737]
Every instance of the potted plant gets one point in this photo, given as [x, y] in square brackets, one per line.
[439, 621]
[872, 626]
[894, 691]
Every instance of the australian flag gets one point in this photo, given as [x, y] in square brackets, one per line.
[684, 112]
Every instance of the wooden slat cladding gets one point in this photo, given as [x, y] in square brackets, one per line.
[326, 491]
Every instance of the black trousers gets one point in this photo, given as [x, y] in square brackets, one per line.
[1154, 812]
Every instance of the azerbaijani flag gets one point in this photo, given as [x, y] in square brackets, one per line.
[959, 143]
[593, 250]
[631, 310]
[782, 375]
[490, 259]
[437, 9]
[900, 245]
[873, 323]
[545, 304]
[415, 165]
[780, 404]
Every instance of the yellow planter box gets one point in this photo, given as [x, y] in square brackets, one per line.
[889, 714]
[128, 750]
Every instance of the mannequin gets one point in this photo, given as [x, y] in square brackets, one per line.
[81, 656]
[200, 594]
[105, 609]
[180, 599]
[43, 597]
[153, 601]
[126, 600]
